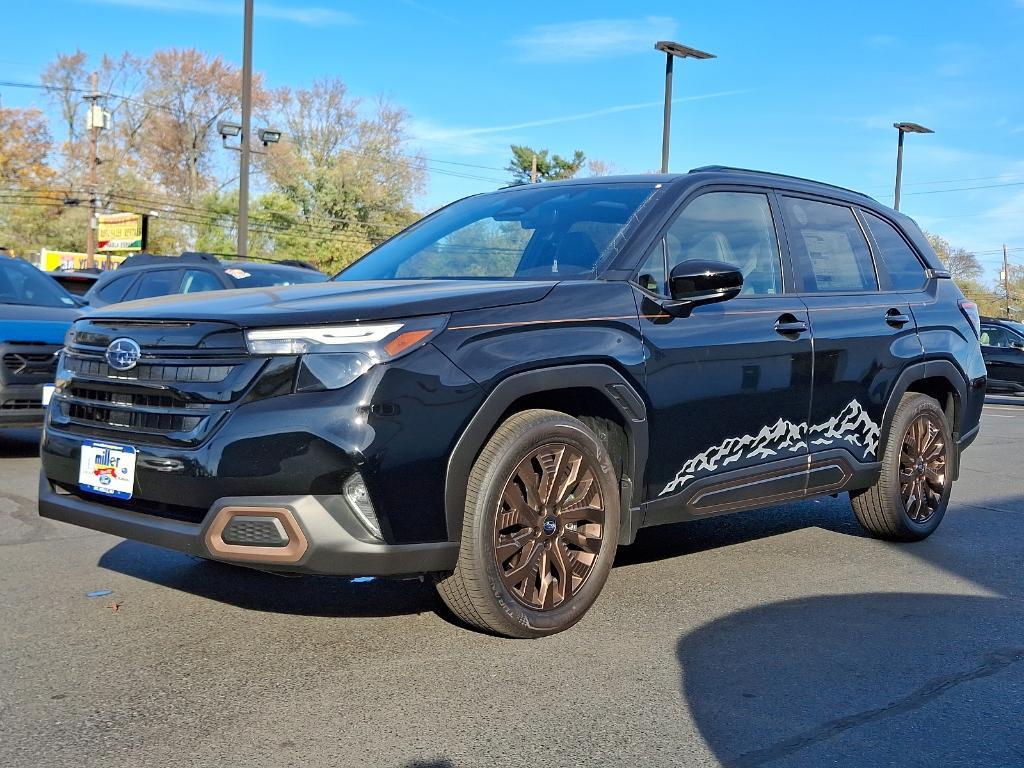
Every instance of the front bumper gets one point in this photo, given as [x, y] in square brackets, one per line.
[332, 541]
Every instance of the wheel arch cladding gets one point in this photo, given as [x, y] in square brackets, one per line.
[593, 393]
[938, 379]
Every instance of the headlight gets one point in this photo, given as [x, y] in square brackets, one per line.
[334, 356]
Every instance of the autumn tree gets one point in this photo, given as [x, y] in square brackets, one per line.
[343, 179]
[548, 168]
[25, 144]
[961, 263]
[186, 93]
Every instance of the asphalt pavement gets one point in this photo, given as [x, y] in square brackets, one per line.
[782, 637]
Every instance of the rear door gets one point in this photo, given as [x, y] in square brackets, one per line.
[864, 335]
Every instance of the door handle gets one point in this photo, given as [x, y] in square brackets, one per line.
[896, 318]
[788, 325]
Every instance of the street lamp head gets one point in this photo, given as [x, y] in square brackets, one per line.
[269, 136]
[228, 130]
[682, 51]
[911, 128]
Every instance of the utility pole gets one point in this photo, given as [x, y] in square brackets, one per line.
[95, 121]
[533, 170]
[1006, 280]
[243, 168]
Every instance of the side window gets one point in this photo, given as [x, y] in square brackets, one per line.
[115, 290]
[161, 282]
[993, 336]
[828, 247]
[652, 276]
[197, 280]
[732, 227]
[898, 266]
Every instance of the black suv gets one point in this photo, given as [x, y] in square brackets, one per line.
[510, 388]
[1002, 346]
[146, 276]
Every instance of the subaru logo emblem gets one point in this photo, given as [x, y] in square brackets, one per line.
[123, 354]
[549, 526]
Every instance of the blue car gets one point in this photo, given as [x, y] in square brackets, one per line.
[35, 313]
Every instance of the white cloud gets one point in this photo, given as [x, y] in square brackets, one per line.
[436, 133]
[596, 38]
[881, 41]
[309, 15]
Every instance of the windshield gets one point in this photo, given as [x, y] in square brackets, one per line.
[267, 277]
[527, 233]
[21, 283]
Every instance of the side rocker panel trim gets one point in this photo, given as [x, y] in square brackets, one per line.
[604, 379]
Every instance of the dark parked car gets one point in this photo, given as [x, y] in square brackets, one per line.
[501, 395]
[77, 281]
[146, 276]
[1002, 346]
[35, 314]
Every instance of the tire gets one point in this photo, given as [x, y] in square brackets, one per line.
[519, 554]
[909, 499]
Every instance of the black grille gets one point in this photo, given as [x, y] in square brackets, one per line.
[258, 531]
[172, 397]
[27, 363]
[119, 418]
[164, 373]
[124, 399]
[21, 405]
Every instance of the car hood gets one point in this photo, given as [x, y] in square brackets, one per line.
[331, 302]
[41, 325]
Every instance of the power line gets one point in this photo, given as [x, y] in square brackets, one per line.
[412, 159]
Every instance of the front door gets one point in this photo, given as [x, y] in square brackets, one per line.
[730, 384]
[863, 337]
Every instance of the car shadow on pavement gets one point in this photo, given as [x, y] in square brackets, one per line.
[907, 677]
[260, 591]
[19, 443]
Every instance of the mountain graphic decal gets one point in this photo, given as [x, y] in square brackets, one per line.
[852, 425]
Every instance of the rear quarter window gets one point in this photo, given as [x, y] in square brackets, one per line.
[899, 268]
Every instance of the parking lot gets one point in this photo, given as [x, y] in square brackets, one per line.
[781, 637]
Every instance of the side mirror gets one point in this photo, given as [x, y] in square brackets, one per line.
[697, 282]
[1017, 344]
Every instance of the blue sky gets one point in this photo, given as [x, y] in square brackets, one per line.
[807, 88]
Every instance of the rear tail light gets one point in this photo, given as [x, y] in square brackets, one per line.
[970, 310]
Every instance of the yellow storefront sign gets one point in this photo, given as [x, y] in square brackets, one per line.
[67, 260]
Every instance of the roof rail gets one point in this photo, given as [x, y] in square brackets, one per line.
[142, 259]
[731, 169]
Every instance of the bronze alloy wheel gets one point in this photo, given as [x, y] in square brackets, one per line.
[922, 473]
[549, 526]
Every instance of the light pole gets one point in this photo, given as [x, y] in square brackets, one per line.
[243, 162]
[904, 128]
[672, 50]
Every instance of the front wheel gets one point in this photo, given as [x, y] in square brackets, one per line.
[540, 529]
[909, 499]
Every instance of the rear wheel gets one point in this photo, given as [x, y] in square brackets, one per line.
[909, 499]
[540, 529]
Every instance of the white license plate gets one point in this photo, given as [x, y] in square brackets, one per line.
[47, 394]
[107, 468]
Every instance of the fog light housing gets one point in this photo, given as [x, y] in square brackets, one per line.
[358, 499]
